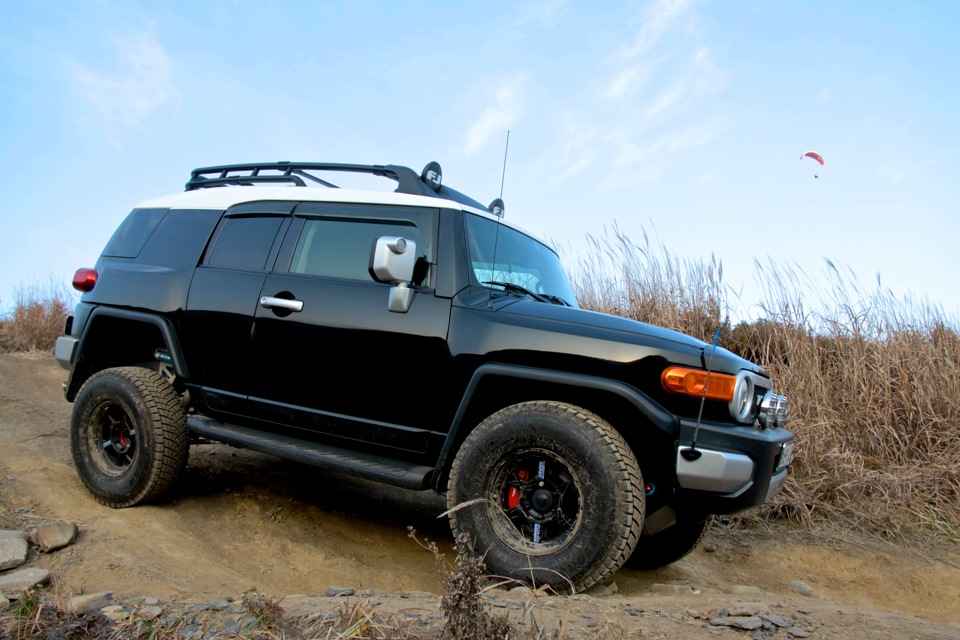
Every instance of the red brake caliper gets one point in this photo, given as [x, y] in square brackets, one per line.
[513, 495]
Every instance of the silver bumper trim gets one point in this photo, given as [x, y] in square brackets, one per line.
[717, 471]
[65, 350]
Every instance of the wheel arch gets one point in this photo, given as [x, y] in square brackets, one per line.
[494, 386]
[120, 337]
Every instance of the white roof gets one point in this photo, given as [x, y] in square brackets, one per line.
[221, 198]
[225, 197]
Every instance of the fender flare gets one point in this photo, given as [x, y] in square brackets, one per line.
[163, 324]
[657, 415]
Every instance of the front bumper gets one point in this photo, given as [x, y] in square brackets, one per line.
[735, 467]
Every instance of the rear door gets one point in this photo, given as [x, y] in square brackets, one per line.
[343, 368]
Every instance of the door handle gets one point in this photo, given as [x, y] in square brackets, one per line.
[269, 302]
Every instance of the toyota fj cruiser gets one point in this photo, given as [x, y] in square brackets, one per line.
[417, 338]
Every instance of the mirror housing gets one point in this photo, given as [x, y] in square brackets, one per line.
[393, 260]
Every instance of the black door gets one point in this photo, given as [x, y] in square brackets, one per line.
[223, 300]
[335, 362]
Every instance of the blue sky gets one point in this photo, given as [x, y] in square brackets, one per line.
[682, 119]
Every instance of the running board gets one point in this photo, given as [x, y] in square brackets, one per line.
[364, 465]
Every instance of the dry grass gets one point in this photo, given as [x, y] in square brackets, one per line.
[36, 320]
[873, 380]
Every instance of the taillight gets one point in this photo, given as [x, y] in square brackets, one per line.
[85, 279]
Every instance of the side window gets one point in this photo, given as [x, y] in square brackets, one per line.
[133, 232]
[340, 248]
[244, 242]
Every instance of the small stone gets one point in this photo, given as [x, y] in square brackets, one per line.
[12, 534]
[335, 592]
[53, 535]
[4, 604]
[115, 612]
[744, 610]
[775, 620]
[149, 602]
[151, 612]
[14, 583]
[91, 601]
[13, 553]
[802, 588]
[747, 623]
[798, 633]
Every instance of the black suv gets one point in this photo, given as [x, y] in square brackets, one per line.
[416, 338]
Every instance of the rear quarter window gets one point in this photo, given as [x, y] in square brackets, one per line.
[132, 234]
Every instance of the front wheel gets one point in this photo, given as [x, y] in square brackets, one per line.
[128, 436]
[548, 493]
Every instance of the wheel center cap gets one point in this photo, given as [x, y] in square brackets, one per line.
[542, 500]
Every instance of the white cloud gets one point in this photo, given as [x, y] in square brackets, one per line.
[579, 151]
[637, 64]
[664, 101]
[546, 13]
[701, 78]
[139, 86]
[659, 17]
[628, 80]
[497, 118]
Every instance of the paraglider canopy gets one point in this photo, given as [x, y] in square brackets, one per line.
[813, 154]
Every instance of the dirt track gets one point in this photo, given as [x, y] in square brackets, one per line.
[240, 520]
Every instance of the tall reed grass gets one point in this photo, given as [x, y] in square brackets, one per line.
[873, 379]
[36, 319]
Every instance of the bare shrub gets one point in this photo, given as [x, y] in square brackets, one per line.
[36, 320]
[873, 380]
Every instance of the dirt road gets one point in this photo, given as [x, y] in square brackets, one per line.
[240, 520]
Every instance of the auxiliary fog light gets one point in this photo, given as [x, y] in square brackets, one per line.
[773, 410]
[782, 410]
[786, 455]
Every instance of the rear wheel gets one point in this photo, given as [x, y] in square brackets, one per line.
[548, 493]
[128, 436]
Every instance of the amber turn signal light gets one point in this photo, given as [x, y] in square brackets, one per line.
[691, 382]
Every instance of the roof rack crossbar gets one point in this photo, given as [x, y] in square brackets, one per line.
[408, 181]
[294, 172]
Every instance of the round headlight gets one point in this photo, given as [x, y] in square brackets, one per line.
[741, 406]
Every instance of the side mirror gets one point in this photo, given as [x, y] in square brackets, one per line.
[393, 260]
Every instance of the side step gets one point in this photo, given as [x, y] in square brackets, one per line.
[386, 470]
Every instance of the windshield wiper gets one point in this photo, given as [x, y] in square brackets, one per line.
[556, 300]
[515, 288]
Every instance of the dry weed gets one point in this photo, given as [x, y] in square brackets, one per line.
[873, 380]
[36, 320]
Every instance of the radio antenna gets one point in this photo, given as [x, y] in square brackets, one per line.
[496, 237]
[505, 150]
[692, 454]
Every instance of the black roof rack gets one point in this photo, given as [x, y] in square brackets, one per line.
[427, 183]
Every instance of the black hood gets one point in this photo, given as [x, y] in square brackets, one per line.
[631, 339]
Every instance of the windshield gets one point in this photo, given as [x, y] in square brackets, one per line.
[511, 261]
